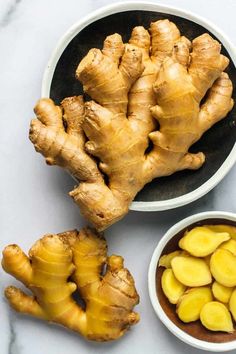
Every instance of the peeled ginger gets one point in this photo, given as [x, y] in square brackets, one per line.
[171, 287]
[230, 246]
[191, 271]
[201, 241]
[216, 317]
[232, 304]
[191, 303]
[165, 260]
[223, 267]
[221, 292]
[205, 267]
[224, 228]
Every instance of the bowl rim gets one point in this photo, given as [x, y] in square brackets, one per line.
[148, 6]
[179, 333]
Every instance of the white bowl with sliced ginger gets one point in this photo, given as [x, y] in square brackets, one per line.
[192, 280]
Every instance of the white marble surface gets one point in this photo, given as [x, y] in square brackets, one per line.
[34, 197]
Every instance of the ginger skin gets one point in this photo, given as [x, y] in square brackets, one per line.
[125, 82]
[54, 259]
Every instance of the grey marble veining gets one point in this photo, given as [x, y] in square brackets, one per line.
[34, 197]
[8, 14]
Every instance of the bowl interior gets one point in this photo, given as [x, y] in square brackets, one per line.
[195, 329]
[216, 143]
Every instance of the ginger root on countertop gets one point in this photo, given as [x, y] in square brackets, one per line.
[59, 264]
[150, 88]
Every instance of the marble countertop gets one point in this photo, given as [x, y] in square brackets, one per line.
[34, 197]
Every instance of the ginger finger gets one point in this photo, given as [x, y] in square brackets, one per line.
[113, 47]
[23, 303]
[16, 263]
[164, 35]
[181, 51]
[218, 103]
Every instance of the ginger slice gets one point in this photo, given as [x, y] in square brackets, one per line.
[216, 317]
[165, 260]
[223, 267]
[191, 271]
[224, 228]
[191, 302]
[171, 287]
[232, 304]
[201, 241]
[221, 292]
[109, 298]
[230, 246]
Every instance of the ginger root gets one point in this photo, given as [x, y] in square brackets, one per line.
[56, 266]
[150, 88]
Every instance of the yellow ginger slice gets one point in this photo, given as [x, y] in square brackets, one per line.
[216, 317]
[223, 267]
[201, 241]
[221, 293]
[230, 246]
[191, 271]
[224, 228]
[171, 287]
[232, 304]
[165, 260]
[191, 303]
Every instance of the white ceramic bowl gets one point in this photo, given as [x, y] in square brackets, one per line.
[148, 6]
[174, 230]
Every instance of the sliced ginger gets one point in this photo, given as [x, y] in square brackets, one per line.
[208, 253]
[230, 246]
[230, 229]
[201, 241]
[151, 88]
[171, 287]
[232, 304]
[165, 260]
[190, 304]
[109, 298]
[221, 292]
[216, 317]
[191, 271]
[223, 267]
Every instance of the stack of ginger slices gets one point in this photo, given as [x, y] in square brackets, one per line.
[200, 277]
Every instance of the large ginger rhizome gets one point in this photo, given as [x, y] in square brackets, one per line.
[150, 88]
